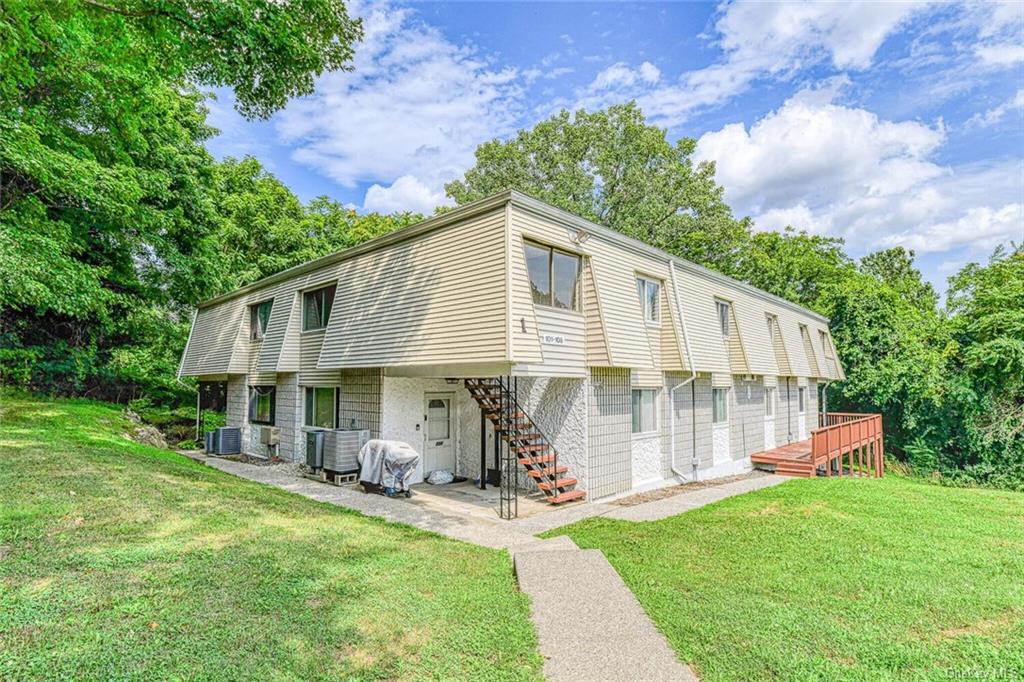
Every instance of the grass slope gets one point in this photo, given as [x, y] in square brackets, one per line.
[120, 561]
[833, 579]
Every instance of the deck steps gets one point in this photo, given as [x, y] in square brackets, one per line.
[532, 449]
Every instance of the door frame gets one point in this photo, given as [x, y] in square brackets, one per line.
[453, 423]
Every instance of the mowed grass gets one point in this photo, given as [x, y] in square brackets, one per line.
[120, 561]
[833, 579]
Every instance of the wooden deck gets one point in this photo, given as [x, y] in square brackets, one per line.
[846, 444]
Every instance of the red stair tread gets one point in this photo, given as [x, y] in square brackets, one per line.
[537, 459]
[547, 471]
[567, 496]
[560, 483]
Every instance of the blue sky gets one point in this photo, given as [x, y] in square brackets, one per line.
[881, 123]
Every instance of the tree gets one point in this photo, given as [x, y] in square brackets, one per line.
[615, 169]
[107, 214]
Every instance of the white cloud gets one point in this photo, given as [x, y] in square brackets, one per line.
[757, 40]
[405, 194]
[1000, 54]
[411, 113]
[982, 228]
[997, 114]
[845, 172]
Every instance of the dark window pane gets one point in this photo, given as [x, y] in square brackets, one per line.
[311, 310]
[309, 407]
[538, 265]
[324, 410]
[328, 304]
[566, 270]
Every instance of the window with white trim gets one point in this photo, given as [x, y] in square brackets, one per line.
[723, 317]
[769, 402]
[321, 403]
[719, 405]
[649, 292]
[801, 394]
[645, 410]
[826, 344]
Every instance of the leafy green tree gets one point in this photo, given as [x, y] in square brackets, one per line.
[987, 303]
[107, 216]
[614, 168]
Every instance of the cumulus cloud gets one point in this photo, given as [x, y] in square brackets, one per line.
[844, 171]
[757, 40]
[411, 113]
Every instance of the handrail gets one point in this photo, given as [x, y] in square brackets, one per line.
[849, 433]
[517, 407]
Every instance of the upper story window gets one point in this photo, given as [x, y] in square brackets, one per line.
[316, 308]
[826, 344]
[262, 404]
[554, 276]
[723, 316]
[771, 326]
[650, 297]
[259, 317]
[645, 410]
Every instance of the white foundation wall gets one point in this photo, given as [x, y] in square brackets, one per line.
[646, 460]
[402, 412]
[558, 406]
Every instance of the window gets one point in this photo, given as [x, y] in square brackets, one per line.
[316, 308]
[650, 296]
[259, 316]
[262, 404]
[771, 327]
[321, 407]
[723, 316]
[769, 402]
[826, 345]
[645, 412]
[719, 406]
[554, 277]
[801, 394]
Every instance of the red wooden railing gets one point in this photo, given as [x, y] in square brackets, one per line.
[858, 437]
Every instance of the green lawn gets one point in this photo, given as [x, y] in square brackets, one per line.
[833, 579]
[119, 561]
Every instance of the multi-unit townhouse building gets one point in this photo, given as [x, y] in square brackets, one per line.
[633, 367]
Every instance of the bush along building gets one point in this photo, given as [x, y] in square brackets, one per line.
[509, 334]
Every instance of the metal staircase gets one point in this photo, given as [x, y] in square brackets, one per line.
[523, 443]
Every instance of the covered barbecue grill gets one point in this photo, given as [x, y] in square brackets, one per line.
[387, 466]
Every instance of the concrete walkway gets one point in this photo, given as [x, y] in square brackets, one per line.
[589, 624]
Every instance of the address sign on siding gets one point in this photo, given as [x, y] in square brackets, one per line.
[553, 339]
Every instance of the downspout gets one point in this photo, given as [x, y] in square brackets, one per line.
[671, 392]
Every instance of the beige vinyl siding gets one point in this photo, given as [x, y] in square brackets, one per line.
[596, 341]
[751, 323]
[614, 272]
[434, 300]
[789, 327]
[288, 359]
[310, 346]
[524, 342]
[698, 301]
[781, 355]
[737, 354]
[812, 356]
[212, 341]
[273, 338]
[671, 340]
[567, 359]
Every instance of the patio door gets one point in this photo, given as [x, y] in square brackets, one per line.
[439, 437]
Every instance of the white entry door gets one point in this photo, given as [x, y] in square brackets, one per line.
[801, 413]
[439, 438]
[769, 418]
